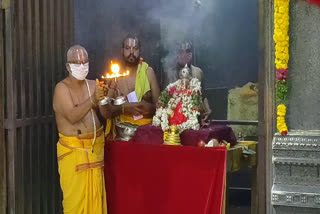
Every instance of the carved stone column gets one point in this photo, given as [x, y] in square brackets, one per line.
[296, 166]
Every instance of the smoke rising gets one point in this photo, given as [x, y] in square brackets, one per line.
[180, 20]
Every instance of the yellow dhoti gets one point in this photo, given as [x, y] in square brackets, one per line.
[81, 173]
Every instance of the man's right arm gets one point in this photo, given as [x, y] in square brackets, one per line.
[62, 104]
[111, 111]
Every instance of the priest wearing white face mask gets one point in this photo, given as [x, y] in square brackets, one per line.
[80, 149]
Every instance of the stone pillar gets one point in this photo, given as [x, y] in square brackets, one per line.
[304, 66]
[296, 157]
[296, 181]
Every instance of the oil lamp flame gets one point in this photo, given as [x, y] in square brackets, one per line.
[115, 72]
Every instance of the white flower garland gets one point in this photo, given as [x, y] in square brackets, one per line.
[190, 111]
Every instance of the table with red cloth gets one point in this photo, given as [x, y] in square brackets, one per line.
[144, 177]
[159, 179]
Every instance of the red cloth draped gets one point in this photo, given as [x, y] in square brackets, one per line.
[317, 2]
[159, 179]
[149, 134]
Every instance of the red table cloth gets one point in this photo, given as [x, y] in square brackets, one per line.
[159, 179]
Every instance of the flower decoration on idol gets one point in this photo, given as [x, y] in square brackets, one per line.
[180, 104]
[281, 39]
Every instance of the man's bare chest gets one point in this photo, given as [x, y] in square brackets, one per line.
[127, 85]
[80, 95]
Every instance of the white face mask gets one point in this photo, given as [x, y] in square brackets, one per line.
[79, 71]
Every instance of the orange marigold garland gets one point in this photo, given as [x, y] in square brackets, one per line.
[281, 39]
